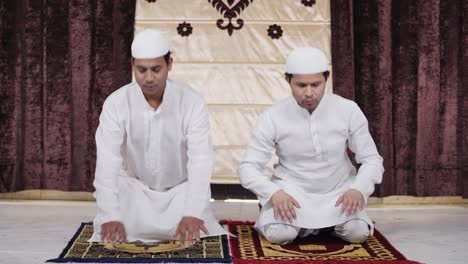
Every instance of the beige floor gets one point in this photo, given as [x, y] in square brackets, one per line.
[34, 231]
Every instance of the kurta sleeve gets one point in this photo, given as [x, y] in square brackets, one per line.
[361, 143]
[109, 139]
[257, 155]
[200, 161]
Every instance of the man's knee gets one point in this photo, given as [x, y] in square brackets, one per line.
[353, 231]
[280, 233]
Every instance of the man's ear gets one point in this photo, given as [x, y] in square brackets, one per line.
[169, 65]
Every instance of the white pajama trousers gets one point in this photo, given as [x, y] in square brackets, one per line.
[353, 231]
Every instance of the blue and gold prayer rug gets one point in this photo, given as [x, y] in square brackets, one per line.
[208, 250]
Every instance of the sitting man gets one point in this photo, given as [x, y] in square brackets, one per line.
[154, 155]
[314, 184]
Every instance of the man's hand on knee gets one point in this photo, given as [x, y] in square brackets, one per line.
[351, 201]
[112, 232]
[283, 205]
[189, 229]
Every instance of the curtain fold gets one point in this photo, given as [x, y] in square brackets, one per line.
[408, 60]
[59, 60]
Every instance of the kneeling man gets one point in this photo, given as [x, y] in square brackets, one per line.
[314, 185]
[154, 155]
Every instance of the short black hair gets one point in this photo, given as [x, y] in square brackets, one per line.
[167, 57]
[289, 76]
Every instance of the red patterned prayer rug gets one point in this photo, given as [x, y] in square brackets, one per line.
[250, 247]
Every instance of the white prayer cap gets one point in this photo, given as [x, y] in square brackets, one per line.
[306, 61]
[149, 44]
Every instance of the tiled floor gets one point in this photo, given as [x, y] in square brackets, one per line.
[34, 231]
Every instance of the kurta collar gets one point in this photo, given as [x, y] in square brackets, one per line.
[145, 103]
[304, 113]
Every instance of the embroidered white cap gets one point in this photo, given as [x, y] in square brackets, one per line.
[149, 44]
[306, 61]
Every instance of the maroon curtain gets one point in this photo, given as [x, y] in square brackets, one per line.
[406, 64]
[58, 61]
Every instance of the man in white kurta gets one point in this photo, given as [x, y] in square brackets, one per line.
[314, 184]
[154, 156]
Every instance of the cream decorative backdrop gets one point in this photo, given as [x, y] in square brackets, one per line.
[241, 72]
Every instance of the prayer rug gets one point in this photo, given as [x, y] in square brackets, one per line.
[208, 250]
[250, 247]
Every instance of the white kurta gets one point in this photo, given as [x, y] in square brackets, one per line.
[313, 166]
[153, 167]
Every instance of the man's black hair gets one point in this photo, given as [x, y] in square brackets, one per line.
[289, 76]
[167, 57]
